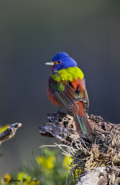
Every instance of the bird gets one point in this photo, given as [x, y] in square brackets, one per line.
[66, 88]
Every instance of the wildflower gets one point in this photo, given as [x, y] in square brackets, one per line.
[46, 163]
[77, 172]
[5, 179]
[66, 162]
[23, 178]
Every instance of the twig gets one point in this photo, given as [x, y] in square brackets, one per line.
[9, 132]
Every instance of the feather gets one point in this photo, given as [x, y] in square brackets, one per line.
[71, 95]
[81, 119]
[82, 124]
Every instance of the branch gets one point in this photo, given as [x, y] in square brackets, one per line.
[99, 176]
[62, 127]
[9, 132]
[89, 154]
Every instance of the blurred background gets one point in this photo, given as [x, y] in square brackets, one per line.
[31, 33]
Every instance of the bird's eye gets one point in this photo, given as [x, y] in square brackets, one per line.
[58, 62]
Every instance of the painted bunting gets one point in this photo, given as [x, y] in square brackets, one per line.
[66, 88]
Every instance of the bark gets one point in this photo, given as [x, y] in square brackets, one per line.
[99, 176]
[9, 132]
[98, 155]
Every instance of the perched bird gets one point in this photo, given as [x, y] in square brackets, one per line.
[66, 88]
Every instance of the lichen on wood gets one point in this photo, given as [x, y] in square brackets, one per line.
[103, 152]
[9, 132]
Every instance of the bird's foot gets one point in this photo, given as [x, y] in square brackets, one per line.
[57, 111]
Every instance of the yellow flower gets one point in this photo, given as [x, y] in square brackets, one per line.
[77, 172]
[67, 161]
[2, 129]
[46, 163]
[5, 179]
[23, 178]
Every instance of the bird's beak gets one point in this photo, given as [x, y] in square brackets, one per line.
[51, 63]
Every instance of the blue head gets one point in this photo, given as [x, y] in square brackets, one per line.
[61, 61]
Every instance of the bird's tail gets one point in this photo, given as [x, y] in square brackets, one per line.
[81, 121]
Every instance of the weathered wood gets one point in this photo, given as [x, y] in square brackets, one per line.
[91, 154]
[99, 176]
[9, 132]
[62, 126]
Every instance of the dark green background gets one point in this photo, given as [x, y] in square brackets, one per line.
[31, 33]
